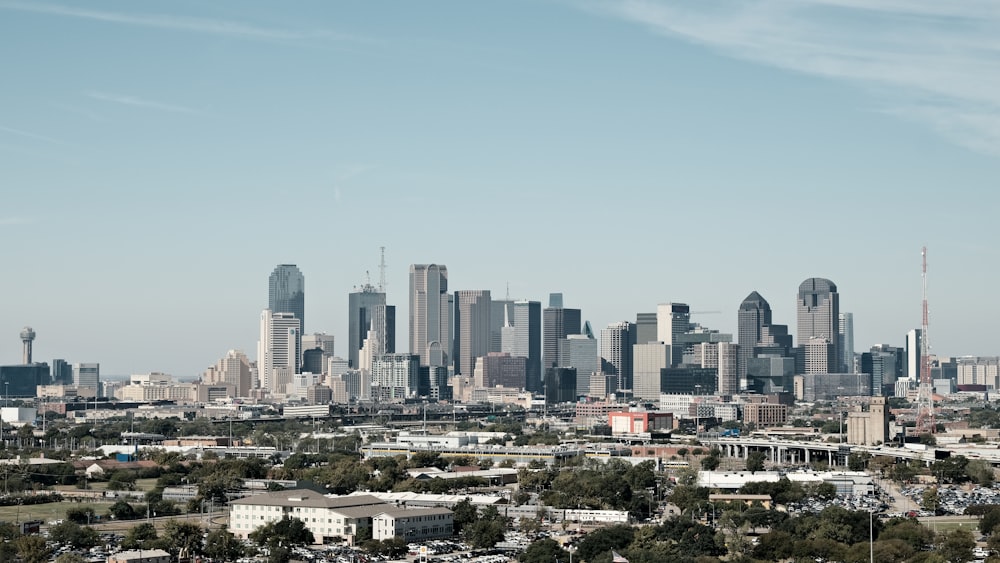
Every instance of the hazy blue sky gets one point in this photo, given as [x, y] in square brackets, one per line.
[158, 159]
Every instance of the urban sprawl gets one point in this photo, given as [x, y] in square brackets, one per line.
[511, 430]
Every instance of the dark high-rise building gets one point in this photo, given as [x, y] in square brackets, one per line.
[500, 369]
[23, 380]
[560, 385]
[432, 382]
[522, 336]
[558, 323]
[287, 292]
[312, 360]
[818, 314]
[885, 364]
[360, 308]
[754, 315]
[689, 381]
[62, 372]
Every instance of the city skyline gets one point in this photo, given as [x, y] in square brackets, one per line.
[624, 151]
[713, 319]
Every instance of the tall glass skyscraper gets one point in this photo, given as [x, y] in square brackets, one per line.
[431, 311]
[818, 314]
[754, 315]
[287, 292]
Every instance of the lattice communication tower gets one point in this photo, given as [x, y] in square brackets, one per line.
[925, 397]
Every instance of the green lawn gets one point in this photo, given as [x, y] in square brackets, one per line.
[145, 484]
[972, 525]
[47, 512]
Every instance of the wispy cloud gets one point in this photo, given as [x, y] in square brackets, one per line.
[93, 116]
[229, 28]
[937, 63]
[30, 135]
[139, 102]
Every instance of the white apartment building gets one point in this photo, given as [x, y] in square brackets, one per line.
[326, 517]
[413, 524]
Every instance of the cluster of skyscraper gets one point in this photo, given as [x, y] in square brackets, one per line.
[465, 341]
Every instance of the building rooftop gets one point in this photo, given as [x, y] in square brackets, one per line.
[367, 511]
[307, 498]
[413, 512]
[138, 555]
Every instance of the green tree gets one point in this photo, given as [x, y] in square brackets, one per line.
[140, 536]
[775, 545]
[990, 520]
[463, 514]
[70, 557]
[605, 539]
[956, 546]
[8, 533]
[32, 549]
[544, 551]
[80, 515]
[929, 499]
[687, 498]
[755, 461]
[122, 510]
[182, 539]
[857, 461]
[74, 535]
[287, 532]
[710, 463]
[488, 530]
[908, 530]
[980, 471]
[928, 439]
[222, 545]
[951, 469]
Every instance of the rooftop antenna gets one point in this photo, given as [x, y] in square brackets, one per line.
[381, 270]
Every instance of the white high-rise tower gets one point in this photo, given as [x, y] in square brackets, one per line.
[278, 349]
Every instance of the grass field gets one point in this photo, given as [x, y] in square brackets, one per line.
[47, 512]
[145, 484]
[972, 525]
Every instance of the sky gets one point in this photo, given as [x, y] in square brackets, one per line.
[158, 159]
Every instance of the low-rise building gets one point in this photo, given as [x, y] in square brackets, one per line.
[762, 415]
[326, 517]
[413, 524]
[140, 556]
[640, 422]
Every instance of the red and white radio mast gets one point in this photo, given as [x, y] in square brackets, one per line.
[925, 396]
